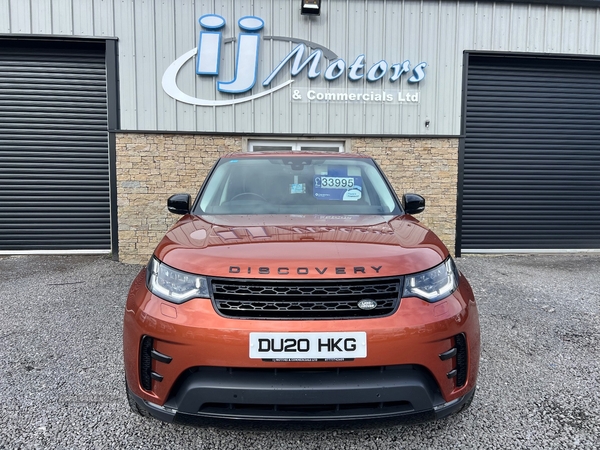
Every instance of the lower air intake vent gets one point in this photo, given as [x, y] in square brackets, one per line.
[461, 360]
[224, 409]
[146, 363]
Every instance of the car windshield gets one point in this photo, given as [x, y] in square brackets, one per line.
[296, 185]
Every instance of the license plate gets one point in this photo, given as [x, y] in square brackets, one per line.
[308, 346]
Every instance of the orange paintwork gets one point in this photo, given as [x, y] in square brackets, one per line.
[195, 335]
[400, 245]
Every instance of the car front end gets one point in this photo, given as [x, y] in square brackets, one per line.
[308, 317]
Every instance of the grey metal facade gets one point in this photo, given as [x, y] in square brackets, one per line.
[152, 34]
[386, 69]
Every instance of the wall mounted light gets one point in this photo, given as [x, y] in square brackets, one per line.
[311, 7]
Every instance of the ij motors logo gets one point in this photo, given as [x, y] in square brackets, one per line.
[212, 42]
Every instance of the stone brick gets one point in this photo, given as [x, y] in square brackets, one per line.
[425, 166]
[152, 167]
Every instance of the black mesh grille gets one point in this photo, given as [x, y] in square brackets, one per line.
[273, 299]
[146, 363]
[461, 360]
[300, 410]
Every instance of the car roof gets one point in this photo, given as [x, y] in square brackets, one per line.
[295, 154]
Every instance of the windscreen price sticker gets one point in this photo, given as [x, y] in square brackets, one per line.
[344, 188]
[335, 182]
[308, 346]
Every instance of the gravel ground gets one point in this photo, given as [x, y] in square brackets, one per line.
[61, 380]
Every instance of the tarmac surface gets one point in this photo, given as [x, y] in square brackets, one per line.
[62, 382]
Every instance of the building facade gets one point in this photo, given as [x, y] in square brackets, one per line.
[490, 110]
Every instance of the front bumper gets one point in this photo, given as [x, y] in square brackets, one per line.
[213, 394]
[209, 375]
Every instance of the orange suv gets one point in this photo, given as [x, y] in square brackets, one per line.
[298, 287]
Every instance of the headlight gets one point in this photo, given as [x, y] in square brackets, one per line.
[434, 284]
[174, 285]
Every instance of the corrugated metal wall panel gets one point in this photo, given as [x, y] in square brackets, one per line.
[588, 33]
[502, 26]
[263, 118]
[124, 29]
[41, 17]
[587, 27]
[20, 16]
[282, 119]
[83, 21]
[554, 32]
[355, 35]
[482, 22]
[153, 33]
[336, 117]
[186, 39]
[531, 155]
[62, 17]
[393, 40]
[300, 112]
[165, 53]
[536, 38]
[318, 115]
[196, 117]
[243, 113]
[446, 54]
[224, 116]
[571, 21]
[104, 17]
[412, 49]
[5, 16]
[54, 186]
[374, 37]
[145, 64]
[517, 34]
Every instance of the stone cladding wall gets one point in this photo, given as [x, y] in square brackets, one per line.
[152, 167]
[424, 166]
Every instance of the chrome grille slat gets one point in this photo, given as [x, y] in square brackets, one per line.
[299, 299]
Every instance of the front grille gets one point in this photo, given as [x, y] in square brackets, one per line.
[274, 299]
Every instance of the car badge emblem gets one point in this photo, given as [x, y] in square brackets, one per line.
[367, 304]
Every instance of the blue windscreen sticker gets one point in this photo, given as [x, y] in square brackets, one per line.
[297, 188]
[337, 184]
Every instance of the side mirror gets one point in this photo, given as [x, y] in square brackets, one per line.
[179, 203]
[413, 203]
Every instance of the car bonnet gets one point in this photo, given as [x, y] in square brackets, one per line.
[289, 246]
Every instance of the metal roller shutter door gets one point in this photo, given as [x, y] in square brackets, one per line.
[54, 159]
[531, 156]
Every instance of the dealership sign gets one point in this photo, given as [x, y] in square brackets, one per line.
[208, 58]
